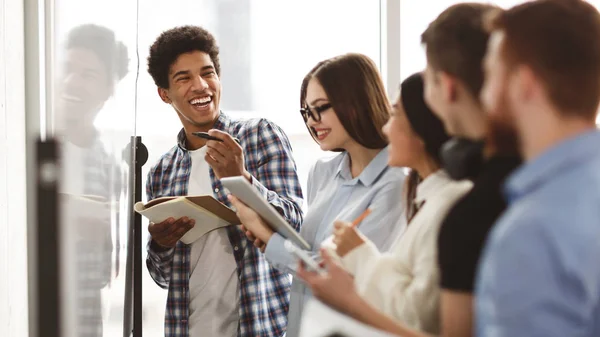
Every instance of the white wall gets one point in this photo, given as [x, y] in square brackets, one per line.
[13, 224]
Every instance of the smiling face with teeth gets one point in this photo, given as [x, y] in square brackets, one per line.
[83, 88]
[194, 91]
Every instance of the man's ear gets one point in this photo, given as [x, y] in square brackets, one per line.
[526, 83]
[164, 95]
[448, 84]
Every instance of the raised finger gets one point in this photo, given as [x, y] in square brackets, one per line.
[338, 224]
[339, 231]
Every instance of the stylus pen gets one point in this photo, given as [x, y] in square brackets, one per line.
[206, 136]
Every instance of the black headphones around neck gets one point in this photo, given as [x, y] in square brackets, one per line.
[462, 158]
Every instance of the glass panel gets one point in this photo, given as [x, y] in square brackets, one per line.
[94, 74]
[267, 46]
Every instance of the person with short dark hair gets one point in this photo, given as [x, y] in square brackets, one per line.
[220, 284]
[344, 106]
[93, 62]
[455, 44]
[539, 274]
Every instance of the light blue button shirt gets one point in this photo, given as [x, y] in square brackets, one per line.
[334, 195]
[540, 273]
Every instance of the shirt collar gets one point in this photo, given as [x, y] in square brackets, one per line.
[431, 185]
[551, 163]
[370, 174]
[222, 123]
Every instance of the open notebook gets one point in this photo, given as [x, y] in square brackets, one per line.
[208, 212]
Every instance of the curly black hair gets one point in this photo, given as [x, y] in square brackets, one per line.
[101, 41]
[174, 42]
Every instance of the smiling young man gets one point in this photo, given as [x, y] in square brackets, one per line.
[93, 63]
[219, 285]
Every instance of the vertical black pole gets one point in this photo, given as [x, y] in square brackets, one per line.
[47, 237]
[141, 156]
[129, 156]
[137, 152]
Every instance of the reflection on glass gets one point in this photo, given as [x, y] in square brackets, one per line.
[90, 66]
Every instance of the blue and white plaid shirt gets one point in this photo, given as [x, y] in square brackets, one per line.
[264, 291]
[102, 177]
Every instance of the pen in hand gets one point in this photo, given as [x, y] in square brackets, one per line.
[206, 136]
[361, 217]
[344, 233]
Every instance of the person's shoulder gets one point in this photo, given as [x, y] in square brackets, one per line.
[473, 211]
[393, 173]
[253, 124]
[256, 131]
[456, 189]
[571, 198]
[166, 160]
[329, 163]
[450, 189]
[326, 167]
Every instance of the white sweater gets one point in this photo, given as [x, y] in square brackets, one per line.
[404, 283]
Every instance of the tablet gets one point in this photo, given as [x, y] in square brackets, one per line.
[243, 190]
[309, 263]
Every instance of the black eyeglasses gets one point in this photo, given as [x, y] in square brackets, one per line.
[314, 113]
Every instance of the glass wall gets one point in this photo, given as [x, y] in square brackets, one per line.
[100, 94]
[93, 78]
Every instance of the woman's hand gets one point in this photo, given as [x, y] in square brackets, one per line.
[255, 228]
[345, 237]
[256, 242]
[335, 288]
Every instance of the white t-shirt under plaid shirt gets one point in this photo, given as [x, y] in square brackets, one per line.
[263, 290]
[214, 295]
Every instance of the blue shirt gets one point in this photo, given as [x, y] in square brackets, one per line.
[334, 195]
[264, 291]
[540, 274]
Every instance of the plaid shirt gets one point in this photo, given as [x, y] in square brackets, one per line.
[264, 291]
[94, 263]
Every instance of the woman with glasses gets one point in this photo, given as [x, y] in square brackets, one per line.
[344, 106]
